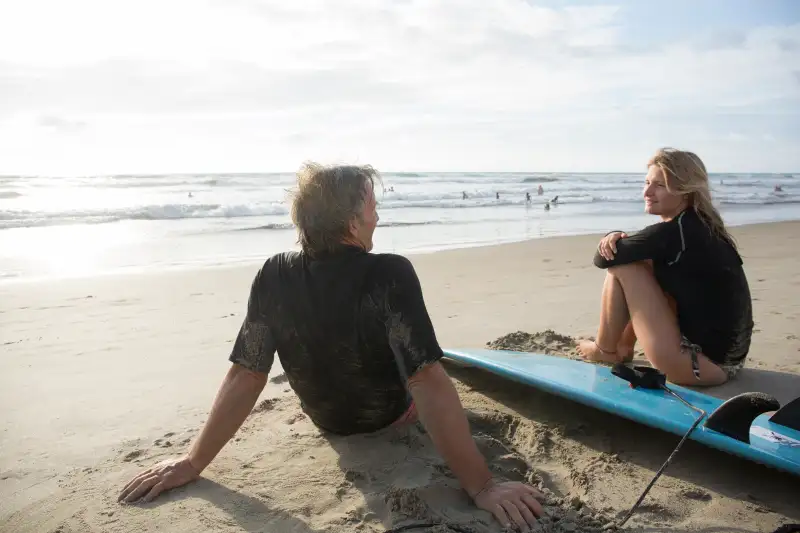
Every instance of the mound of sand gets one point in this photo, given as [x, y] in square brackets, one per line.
[547, 342]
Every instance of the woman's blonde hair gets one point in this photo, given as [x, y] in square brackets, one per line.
[686, 175]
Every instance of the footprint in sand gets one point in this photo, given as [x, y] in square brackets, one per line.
[266, 405]
[280, 378]
[162, 443]
[295, 418]
[354, 476]
[135, 454]
[696, 494]
[658, 510]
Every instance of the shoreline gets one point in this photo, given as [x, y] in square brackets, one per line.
[245, 262]
[98, 370]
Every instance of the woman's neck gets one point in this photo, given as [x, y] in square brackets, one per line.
[667, 218]
[684, 205]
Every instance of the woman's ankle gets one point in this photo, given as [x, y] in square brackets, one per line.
[591, 350]
[600, 348]
[625, 351]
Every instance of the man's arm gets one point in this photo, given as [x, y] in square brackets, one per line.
[442, 414]
[234, 401]
[417, 352]
[252, 357]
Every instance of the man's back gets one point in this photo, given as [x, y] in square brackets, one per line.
[349, 329]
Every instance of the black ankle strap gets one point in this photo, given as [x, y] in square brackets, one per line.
[640, 376]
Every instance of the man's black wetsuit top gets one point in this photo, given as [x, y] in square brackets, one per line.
[350, 328]
[704, 274]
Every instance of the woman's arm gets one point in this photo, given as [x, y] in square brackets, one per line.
[650, 243]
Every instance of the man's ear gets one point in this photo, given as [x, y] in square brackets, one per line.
[353, 225]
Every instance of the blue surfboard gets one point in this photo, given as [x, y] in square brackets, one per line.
[771, 444]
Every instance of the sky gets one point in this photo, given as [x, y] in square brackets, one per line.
[159, 86]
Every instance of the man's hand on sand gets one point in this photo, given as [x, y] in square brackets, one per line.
[511, 503]
[165, 475]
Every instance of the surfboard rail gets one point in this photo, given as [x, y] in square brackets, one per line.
[593, 385]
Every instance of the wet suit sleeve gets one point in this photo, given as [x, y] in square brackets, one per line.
[653, 242]
[254, 348]
[411, 335]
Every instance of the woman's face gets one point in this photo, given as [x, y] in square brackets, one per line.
[657, 199]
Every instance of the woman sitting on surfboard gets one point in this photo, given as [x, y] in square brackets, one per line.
[677, 286]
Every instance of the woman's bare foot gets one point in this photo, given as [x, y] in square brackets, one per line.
[590, 351]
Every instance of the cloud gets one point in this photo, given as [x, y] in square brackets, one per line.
[61, 124]
[720, 40]
[402, 83]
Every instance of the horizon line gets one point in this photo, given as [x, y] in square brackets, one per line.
[382, 172]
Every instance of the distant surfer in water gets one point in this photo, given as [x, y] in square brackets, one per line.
[540, 190]
[677, 286]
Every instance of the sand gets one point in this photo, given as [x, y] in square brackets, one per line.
[102, 377]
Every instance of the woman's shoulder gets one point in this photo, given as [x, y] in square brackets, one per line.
[692, 224]
[661, 228]
[689, 224]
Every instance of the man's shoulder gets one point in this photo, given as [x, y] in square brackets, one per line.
[277, 264]
[284, 259]
[392, 269]
[393, 262]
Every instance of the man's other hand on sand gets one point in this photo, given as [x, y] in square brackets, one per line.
[168, 474]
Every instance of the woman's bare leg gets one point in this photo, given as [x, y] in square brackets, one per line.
[614, 319]
[627, 342]
[656, 326]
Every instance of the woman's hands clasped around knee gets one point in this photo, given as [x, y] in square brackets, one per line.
[608, 244]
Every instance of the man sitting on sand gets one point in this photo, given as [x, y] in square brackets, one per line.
[353, 334]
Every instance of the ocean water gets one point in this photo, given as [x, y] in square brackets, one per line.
[58, 226]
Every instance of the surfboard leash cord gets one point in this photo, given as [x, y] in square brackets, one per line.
[662, 385]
